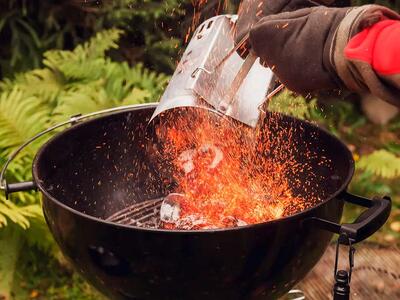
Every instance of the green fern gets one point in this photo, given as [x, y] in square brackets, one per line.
[85, 61]
[78, 81]
[297, 106]
[29, 28]
[45, 84]
[19, 215]
[381, 163]
[21, 117]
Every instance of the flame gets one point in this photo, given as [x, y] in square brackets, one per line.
[223, 173]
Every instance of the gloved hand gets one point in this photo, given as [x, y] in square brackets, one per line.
[305, 49]
[252, 11]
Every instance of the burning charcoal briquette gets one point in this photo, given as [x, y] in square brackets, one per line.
[170, 208]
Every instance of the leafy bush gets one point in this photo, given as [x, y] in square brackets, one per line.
[29, 28]
[381, 163]
[288, 103]
[71, 82]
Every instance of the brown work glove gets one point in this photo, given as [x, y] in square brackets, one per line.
[252, 11]
[305, 49]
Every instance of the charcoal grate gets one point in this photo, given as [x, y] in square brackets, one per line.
[143, 214]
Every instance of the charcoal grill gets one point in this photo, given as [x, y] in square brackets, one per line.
[104, 165]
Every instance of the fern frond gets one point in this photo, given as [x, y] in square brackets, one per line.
[81, 100]
[85, 61]
[136, 96]
[381, 163]
[19, 215]
[44, 84]
[123, 79]
[19, 169]
[295, 106]
[97, 46]
[148, 80]
[21, 117]
[85, 70]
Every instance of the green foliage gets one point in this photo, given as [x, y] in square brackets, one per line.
[71, 82]
[341, 115]
[395, 125]
[86, 60]
[288, 103]
[367, 184]
[29, 28]
[155, 29]
[344, 116]
[43, 276]
[10, 241]
[381, 163]
[18, 214]
[85, 79]
[393, 147]
[21, 117]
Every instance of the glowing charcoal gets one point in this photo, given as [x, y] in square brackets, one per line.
[233, 222]
[170, 208]
[229, 175]
[186, 160]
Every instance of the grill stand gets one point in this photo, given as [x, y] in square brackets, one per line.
[341, 288]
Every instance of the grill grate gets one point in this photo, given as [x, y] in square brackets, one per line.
[144, 214]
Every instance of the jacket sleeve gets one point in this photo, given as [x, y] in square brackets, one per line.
[367, 57]
[379, 46]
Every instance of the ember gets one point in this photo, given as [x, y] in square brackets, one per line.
[223, 176]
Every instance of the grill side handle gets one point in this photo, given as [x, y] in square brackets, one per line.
[367, 223]
[10, 188]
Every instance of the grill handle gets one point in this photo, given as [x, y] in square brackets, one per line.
[31, 185]
[370, 221]
[10, 188]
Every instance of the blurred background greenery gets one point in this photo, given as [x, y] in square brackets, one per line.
[59, 58]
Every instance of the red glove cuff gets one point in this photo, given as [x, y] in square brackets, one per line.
[379, 46]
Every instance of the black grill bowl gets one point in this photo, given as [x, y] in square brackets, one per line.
[98, 167]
